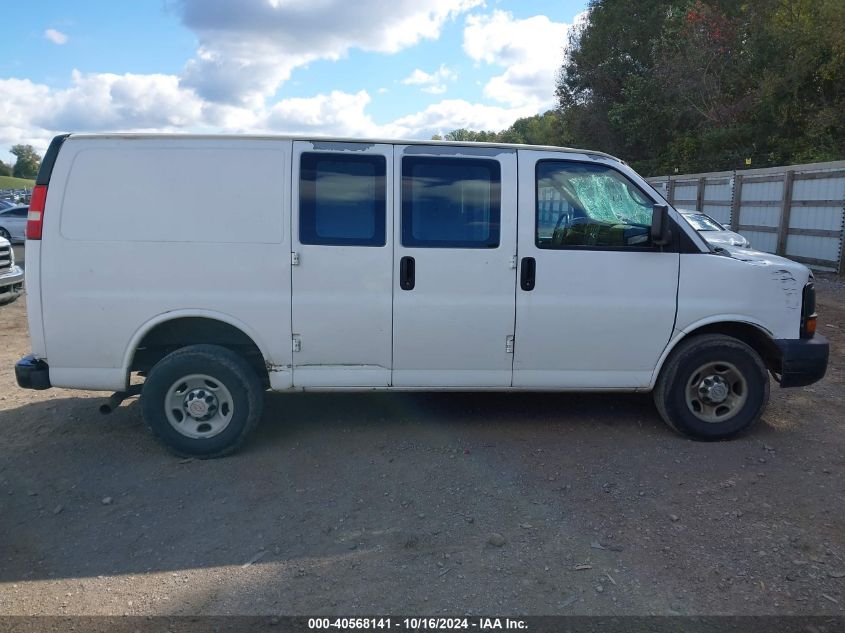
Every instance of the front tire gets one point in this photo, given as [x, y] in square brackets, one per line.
[202, 401]
[712, 387]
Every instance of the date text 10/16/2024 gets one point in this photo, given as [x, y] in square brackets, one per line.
[417, 624]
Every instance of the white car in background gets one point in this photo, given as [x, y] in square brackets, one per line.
[11, 276]
[13, 223]
[714, 233]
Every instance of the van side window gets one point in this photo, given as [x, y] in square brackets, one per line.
[342, 199]
[450, 202]
[583, 205]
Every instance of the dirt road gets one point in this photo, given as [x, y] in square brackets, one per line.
[425, 504]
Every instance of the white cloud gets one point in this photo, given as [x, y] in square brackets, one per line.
[102, 101]
[433, 83]
[248, 48]
[33, 113]
[337, 114]
[452, 114]
[530, 50]
[57, 37]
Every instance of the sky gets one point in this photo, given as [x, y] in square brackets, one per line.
[357, 68]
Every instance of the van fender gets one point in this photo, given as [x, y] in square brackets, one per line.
[679, 335]
[171, 315]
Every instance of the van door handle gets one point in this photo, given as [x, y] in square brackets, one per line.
[407, 273]
[527, 273]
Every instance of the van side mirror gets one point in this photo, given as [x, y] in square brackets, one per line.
[661, 232]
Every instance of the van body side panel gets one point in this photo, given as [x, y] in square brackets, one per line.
[596, 318]
[136, 229]
[452, 329]
[342, 301]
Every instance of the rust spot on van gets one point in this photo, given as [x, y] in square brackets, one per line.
[339, 146]
[457, 150]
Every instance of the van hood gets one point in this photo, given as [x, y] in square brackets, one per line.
[761, 258]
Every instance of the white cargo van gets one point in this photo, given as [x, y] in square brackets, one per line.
[200, 271]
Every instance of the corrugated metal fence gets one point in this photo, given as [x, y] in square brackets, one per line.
[797, 211]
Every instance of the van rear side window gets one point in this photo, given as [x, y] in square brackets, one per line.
[450, 202]
[342, 199]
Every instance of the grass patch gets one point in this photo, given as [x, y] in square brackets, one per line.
[7, 182]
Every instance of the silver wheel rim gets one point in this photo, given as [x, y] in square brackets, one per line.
[198, 406]
[716, 391]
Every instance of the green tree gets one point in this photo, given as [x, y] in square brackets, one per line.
[610, 74]
[700, 85]
[27, 163]
[541, 129]
[5, 170]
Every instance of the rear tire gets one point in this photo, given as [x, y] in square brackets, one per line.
[5, 234]
[202, 401]
[712, 387]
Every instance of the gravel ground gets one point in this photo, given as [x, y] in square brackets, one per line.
[425, 504]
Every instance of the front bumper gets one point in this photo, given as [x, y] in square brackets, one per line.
[11, 284]
[803, 360]
[32, 373]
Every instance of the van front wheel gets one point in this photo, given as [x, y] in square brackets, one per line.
[202, 401]
[712, 387]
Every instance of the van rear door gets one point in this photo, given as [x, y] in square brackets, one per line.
[342, 264]
[453, 308]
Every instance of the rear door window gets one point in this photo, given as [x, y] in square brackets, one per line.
[342, 199]
[450, 202]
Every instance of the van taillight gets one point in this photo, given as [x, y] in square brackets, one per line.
[35, 218]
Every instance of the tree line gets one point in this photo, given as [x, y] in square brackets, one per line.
[26, 164]
[675, 86]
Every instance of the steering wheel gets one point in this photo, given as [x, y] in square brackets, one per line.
[561, 218]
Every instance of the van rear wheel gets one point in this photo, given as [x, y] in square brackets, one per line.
[712, 387]
[202, 401]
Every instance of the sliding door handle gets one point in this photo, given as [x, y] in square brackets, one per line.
[407, 273]
[528, 272]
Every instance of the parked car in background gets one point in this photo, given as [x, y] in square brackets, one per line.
[7, 204]
[714, 233]
[13, 223]
[11, 276]
[16, 196]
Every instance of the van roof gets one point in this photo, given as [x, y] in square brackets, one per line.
[339, 139]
